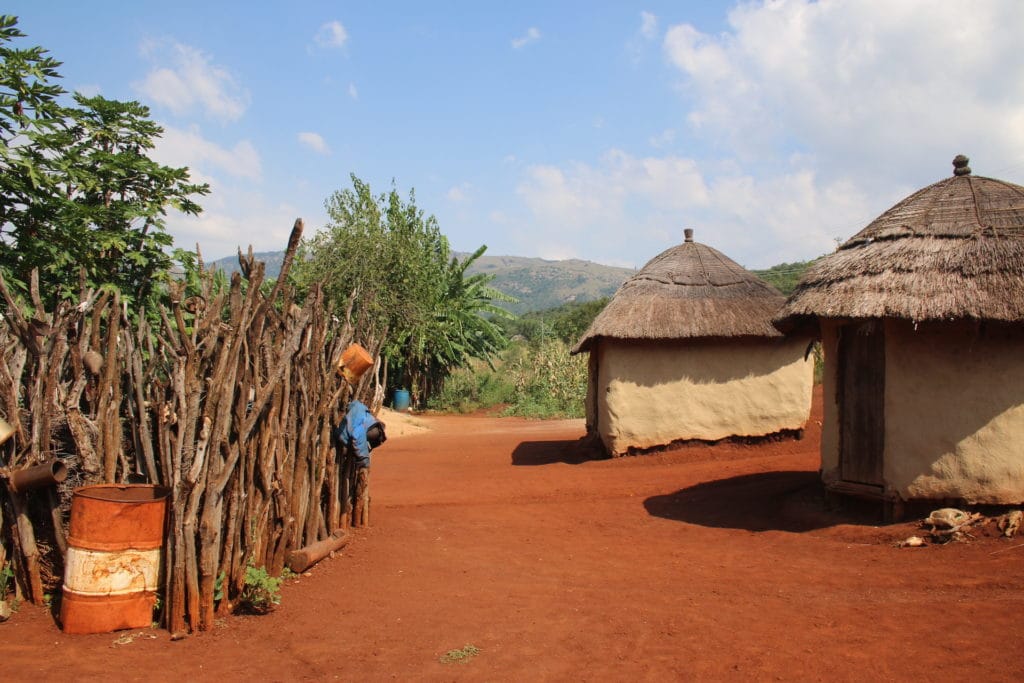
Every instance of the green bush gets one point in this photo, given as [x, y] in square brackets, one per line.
[548, 381]
[472, 388]
[261, 592]
[538, 380]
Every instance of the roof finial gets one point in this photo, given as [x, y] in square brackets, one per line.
[688, 234]
[960, 166]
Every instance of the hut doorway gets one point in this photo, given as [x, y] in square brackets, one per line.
[862, 403]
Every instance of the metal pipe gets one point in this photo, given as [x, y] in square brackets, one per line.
[47, 474]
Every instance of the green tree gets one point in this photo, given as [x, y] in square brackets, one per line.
[463, 322]
[79, 192]
[28, 112]
[409, 292]
[784, 276]
[567, 322]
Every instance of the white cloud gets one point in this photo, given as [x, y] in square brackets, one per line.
[871, 89]
[582, 192]
[821, 114]
[234, 218]
[352, 92]
[640, 42]
[236, 213]
[89, 89]
[459, 193]
[187, 147]
[532, 35]
[626, 209]
[596, 206]
[663, 139]
[315, 142]
[648, 25]
[191, 81]
[331, 34]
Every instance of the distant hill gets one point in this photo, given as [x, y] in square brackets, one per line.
[785, 275]
[540, 284]
[537, 283]
[273, 260]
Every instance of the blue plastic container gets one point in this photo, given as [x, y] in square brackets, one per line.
[401, 400]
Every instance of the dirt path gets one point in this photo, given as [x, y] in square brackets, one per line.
[705, 563]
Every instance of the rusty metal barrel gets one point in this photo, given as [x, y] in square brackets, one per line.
[113, 564]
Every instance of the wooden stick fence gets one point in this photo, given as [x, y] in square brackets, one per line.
[228, 400]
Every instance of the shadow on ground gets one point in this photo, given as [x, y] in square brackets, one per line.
[574, 452]
[767, 501]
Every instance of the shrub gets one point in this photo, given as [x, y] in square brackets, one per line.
[531, 380]
[261, 592]
[548, 381]
[473, 387]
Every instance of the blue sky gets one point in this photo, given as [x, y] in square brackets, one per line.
[561, 129]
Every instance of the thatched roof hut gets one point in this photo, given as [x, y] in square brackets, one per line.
[921, 316]
[952, 251]
[690, 291]
[686, 350]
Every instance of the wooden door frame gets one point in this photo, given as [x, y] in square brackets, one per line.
[852, 466]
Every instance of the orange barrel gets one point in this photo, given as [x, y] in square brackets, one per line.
[355, 360]
[112, 568]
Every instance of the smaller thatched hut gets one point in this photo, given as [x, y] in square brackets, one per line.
[686, 350]
[921, 317]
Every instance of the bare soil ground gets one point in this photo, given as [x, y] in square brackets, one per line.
[705, 562]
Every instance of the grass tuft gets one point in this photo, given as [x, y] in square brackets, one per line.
[460, 656]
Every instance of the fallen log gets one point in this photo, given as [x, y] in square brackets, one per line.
[302, 559]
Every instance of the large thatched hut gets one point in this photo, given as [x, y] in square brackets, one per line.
[686, 350]
[921, 317]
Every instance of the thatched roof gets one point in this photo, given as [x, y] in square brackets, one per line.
[952, 251]
[690, 291]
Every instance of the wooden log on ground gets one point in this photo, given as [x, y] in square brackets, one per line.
[302, 559]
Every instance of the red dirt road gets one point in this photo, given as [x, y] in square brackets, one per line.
[703, 563]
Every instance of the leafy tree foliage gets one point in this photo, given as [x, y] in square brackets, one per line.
[784, 276]
[567, 322]
[78, 193]
[409, 290]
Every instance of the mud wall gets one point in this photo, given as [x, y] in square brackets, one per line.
[954, 404]
[651, 394]
[954, 411]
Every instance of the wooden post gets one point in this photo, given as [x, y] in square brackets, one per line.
[361, 512]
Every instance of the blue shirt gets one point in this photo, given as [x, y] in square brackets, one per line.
[352, 431]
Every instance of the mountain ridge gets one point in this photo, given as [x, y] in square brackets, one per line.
[540, 284]
[537, 284]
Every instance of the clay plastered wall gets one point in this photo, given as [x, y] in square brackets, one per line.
[954, 404]
[651, 394]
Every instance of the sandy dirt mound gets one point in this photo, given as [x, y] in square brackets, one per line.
[401, 424]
